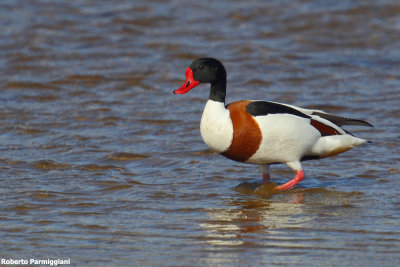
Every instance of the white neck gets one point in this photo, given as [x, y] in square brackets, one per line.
[216, 126]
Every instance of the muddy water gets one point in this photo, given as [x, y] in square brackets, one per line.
[101, 164]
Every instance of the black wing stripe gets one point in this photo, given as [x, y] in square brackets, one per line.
[341, 120]
[262, 108]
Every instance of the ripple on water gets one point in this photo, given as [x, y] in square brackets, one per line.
[49, 165]
[30, 86]
[30, 130]
[39, 194]
[97, 167]
[124, 156]
[91, 226]
[110, 185]
[24, 208]
[116, 187]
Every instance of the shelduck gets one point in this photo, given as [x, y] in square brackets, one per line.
[263, 132]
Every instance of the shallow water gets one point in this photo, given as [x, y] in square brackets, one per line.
[101, 164]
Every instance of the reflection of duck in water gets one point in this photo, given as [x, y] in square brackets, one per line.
[229, 226]
[264, 133]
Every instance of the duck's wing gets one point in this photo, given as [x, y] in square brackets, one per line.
[266, 107]
[263, 108]
[341, 120]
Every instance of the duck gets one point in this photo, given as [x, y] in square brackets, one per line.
[264, 133]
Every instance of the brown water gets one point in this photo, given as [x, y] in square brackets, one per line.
[101, 164]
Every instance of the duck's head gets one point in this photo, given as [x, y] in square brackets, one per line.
[203, 70]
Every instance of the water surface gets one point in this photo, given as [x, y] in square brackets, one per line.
[101, 164]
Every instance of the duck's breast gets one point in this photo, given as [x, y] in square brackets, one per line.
[216, 126]
[247, 135]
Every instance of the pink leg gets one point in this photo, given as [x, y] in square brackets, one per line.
[299, 176]
[266, 178]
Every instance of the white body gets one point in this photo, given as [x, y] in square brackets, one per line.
[216, 127]
[286, 138]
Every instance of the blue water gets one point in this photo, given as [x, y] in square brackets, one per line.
[101, 164]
